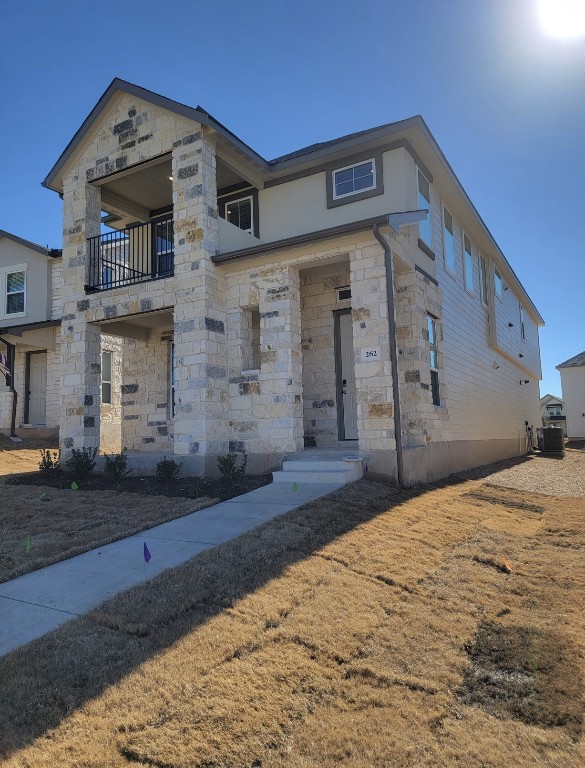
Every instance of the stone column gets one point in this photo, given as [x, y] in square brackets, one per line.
[280, 407]
[373, 375]
[200, 309]
[80, 340]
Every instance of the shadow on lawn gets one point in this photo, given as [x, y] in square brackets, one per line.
[48, 679]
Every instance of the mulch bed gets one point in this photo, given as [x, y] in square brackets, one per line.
[185, 487]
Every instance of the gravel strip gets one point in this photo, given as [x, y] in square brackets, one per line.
[538, 473]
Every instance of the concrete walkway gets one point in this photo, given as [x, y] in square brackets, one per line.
[37, 603]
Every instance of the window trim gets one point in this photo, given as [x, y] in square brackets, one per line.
[355, 191]
[363, 157]
[106, 381]
[483, 281]
[434, 369]
[451, 270]
[225, 198]
[522, 324]
[464, 236]
[4, 272]
[430, 217]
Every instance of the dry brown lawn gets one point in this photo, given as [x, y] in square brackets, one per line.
[439, 627]
[64, 523]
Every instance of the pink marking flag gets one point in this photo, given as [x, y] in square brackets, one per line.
[147, 554]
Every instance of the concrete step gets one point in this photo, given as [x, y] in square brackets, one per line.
[306, 470]
[306, 478]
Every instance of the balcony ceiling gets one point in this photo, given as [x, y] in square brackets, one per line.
[133, 195]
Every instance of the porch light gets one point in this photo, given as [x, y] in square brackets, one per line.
[170, 178]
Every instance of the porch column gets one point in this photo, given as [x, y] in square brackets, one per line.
[80, 340]
[200, 313]
[280, 421]
[373, 374]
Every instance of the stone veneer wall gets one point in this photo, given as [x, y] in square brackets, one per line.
[111, 413]
[416, 297]
[147, 424]
[318, 302]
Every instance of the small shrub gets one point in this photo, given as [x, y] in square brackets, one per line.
[228, 466]
[50, 462]
[198, 486]
[116, 466]
[167, 469]
[81, 464]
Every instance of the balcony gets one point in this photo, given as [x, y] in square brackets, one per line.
[132, 255]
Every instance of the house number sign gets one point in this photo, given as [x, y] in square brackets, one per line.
[370, 354]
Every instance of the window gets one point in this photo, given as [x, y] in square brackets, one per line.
[448, 240]
[522, 329]
[498, 283]
[171, 409]
[165, 246]
[483, 280]
[106, 377]
[424, 203]
[468, 263]
[239, 213]
[13, 291]
[354, 179]
[251, 339]
[432, 332]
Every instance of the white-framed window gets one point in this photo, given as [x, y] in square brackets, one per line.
[425, 230]
[522, 327]
[468, 263]
[106, 377]
[240, 213]
[434, 361]
[483, 280]
[13, 291]
[353, 179]
[498, 284]
[448, 240]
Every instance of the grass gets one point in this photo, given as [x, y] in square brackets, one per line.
[369, 628]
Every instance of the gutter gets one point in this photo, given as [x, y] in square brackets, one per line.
[289, 242]
[393, 353]
[11, 356]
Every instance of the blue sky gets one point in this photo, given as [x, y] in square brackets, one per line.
[505, 101]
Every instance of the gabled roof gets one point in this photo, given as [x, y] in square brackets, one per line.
[547, 398]
[573, 362]
[308, 157]
[26, 243]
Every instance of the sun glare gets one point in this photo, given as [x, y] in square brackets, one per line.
[563, 18]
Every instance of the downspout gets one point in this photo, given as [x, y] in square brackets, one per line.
[393, 354]
[10, 348]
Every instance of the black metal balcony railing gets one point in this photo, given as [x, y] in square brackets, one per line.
[133, 255]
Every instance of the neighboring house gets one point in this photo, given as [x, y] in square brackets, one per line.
[30, 340]
[29, 336]
[552, 413]
[330, 298]
[573, 385]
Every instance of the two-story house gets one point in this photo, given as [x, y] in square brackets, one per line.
[344, 296]
[552, 412]
[573, 384]
[29, 337]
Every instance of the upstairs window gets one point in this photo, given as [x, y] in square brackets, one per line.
[353, 179]
[468, 263]
[424, 203]
[498, 284]
[448, 240]
[13, 291]
[239, 213]
[106, 377]
[483, 280]
[522, 328]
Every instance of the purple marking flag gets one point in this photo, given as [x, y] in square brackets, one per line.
[147, 554]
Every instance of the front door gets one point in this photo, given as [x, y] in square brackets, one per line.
[37, 391]
[346, 379]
